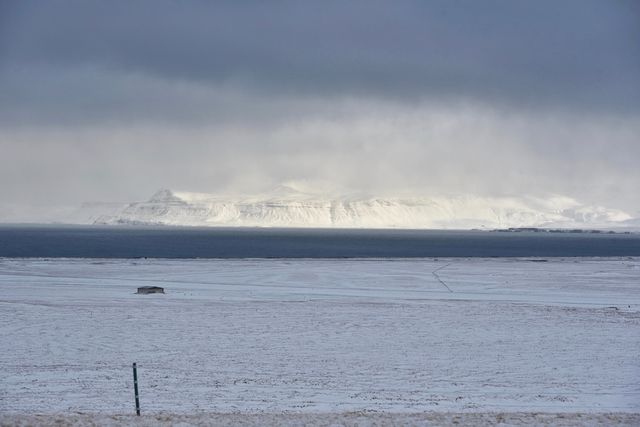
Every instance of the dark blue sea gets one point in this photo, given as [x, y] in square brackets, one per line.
[175, 242]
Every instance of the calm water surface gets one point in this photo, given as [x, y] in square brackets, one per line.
[174, 242]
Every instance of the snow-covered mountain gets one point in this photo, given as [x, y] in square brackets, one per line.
[287, 207]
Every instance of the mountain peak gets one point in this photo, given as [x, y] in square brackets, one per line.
[165, 195]
[284, 189]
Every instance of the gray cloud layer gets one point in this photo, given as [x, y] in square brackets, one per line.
[582, 54]
[115, 99]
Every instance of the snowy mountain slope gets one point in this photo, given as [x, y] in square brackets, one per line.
[90, 212]
[286, 207]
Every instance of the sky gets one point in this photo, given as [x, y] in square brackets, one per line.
[111, 101]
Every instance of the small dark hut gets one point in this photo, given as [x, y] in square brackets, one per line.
[150, 290]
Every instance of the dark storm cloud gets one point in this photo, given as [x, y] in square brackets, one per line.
[566, 54]
[111, 100]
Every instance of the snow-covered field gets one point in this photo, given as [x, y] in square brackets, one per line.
[321, 336]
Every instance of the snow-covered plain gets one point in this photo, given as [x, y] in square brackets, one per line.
[321, 336]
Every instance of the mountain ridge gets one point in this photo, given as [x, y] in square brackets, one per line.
[289, 207]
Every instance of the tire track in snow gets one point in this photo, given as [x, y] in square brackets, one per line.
[435, 274]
